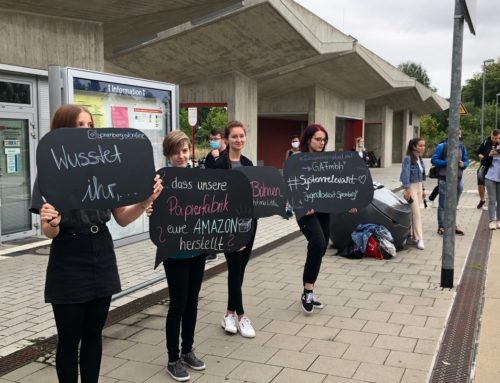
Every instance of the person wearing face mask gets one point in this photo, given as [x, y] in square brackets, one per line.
[217, 146]
[295, 143]
[360, 149]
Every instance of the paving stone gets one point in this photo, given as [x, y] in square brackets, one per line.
[112, 347]
[424, 346]
[395, 343]
[287, 342]
[288, 375]
[334, 366]
[255, 372]
[401, 318]
[355, 337]
[109, 363]
[292, 359]
[378, 374]
[380, 316]
[120, 331]
[420, 332]
[149, 336]
[409, 360]
[414, 376]
[217, 347]
[46, 374]
[282, 327]
[326, 348]
[382, 328]
[346, 323]
[132, 371]
[23, 371]
[318, 332]
[141, 352]
[254, 353]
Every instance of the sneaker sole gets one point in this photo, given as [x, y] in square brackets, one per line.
[307, 312]
[247, 336]
[185, 379]
[318, 307]
[223, 325]
[201, 368]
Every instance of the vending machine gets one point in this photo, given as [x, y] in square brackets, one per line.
[120, 102]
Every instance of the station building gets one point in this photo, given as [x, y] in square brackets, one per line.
[275, 66]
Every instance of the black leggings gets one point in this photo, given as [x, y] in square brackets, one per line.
[236, 264]
[184, 278]
[80, 322]
[316, 229]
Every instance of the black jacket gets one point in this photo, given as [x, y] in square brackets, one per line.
[223, 161]
[487, 160]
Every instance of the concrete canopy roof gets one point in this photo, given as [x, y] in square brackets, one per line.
[281, 45]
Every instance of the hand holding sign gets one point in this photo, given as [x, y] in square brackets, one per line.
[201, 211]
[328, 182]
[92, 168]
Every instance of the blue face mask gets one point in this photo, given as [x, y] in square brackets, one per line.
[214, 145]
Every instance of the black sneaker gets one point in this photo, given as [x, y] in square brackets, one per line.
[192, 361]
[317, 304]
[211, 257]
[177, 371]
[307, 302]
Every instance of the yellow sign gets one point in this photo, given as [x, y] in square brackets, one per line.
[462, 110]
[94, 103]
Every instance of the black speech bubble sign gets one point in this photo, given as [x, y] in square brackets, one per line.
[328, 182]
[268, 190]
[80, 168]
[201, 211]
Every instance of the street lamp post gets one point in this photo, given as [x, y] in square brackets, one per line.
[496, 111]
[485, 62]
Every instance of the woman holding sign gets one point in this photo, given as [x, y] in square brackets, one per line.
[314, 225]
[184, 273]
[235, 319]
[82, 274]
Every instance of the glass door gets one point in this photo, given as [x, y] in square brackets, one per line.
[16, 164]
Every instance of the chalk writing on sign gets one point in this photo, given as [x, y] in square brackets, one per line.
[328, 182]
[201, 212]
[268, 190]
[82, 168]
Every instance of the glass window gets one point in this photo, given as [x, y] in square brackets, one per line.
[15, 93]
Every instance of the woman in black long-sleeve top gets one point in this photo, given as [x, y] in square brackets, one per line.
[82, 274]
[314, 225]
[235, 319]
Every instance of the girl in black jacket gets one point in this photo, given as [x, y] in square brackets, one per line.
[235, 319]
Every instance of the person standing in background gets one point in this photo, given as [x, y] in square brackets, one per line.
[217, 146]
[483, 151]
[412, 176]
[361, 150]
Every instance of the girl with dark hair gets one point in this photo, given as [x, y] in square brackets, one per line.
[315, 226]
[412, 176]
[235, 319]
[82, 274]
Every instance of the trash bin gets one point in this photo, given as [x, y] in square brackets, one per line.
[386, 209]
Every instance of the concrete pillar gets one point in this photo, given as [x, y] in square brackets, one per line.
[243, 107]
[322, 111]
[387, 132]
[240, 94]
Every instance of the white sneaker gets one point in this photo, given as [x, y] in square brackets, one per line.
[245, 327]
[229, 324]
[498, 224]
[493, 225]
[420, 244]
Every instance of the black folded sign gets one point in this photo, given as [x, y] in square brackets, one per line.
[81, 168]
[268, 190]
[201, 211]
[328, 182]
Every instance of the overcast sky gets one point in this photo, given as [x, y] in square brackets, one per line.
[419, 31]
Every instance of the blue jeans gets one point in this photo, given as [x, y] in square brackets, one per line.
[493, 189]
[442, 196]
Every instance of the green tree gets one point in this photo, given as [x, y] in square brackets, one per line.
[473, 88]
[417, 72]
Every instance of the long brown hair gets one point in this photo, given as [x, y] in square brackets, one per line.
[309, 133]
[412, 149]
[227, 130]
[67, 115]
